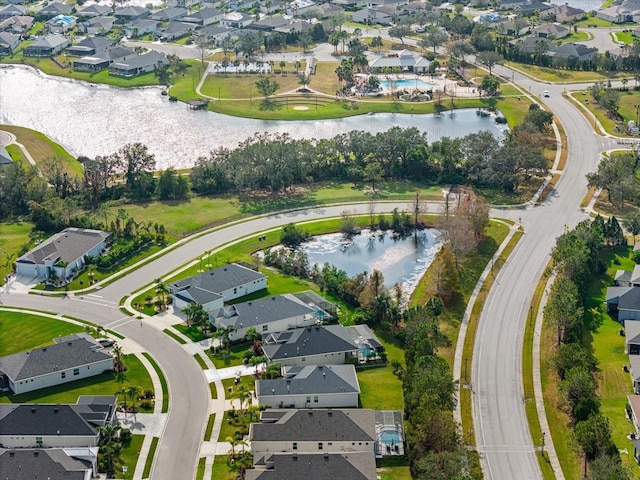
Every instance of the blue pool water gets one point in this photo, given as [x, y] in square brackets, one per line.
[365, 350]
[390, 438]
[405, 83]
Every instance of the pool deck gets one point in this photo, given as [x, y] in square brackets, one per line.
[427, 82]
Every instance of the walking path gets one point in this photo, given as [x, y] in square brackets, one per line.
[8, 138]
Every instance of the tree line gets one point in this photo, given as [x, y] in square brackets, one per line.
[577, 260]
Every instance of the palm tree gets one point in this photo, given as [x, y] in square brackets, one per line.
[282, 65]
[223, 334]
[297, 65]
[161, 290]
[233, 441]
[118, 364]
[132, 392]
[242, 393]
[255, 361]
[252, 335]
[191, 311]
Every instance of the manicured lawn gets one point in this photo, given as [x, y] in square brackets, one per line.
[177, 338]
[231, 85]
[40, 148]
[232, 358]
[23, 331]
[193, 332]
[596, 22]
[626, 37]
[230, 383]
[12, 237]
[152, 453]
[129, 456]
[221, 470]
[380, 389]
[569, 76]
[579, 36]
[163, 382]
[200, 470]
[394, 473]
[200, 361]
[207, 432]
[105, 384]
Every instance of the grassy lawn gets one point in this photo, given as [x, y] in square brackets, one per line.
[596, 22]
[23, 331]
[12, 237]
[105, 384]
[380, 389]
[40, 148]
[129, 456]
[626, 37]
[193, 332]
[49, 67]
[394, 473]
[579, 36]
[231, 85]
[569, 76]
[163, 382]
[177, 338]
[232, 358]
[200, 470]
[221, 470]
[207, 432]
[230, 383]
[152, 453]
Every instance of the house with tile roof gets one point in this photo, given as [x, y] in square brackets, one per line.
[56, 425]
[312, 386]
[314, 466]
[43, 367]
[214, 287]
[565, 13]
[317, 345]
[64, 252]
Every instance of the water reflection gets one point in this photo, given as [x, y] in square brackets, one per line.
[401, 260]
[98, 120]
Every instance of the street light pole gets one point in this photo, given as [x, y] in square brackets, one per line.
[544, 434]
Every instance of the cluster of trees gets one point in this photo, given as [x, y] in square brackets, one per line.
[605, 96]
[576, 258]
[436, 450]
[112, 439]
[616, 175]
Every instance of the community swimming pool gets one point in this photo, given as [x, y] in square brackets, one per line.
[407, 83]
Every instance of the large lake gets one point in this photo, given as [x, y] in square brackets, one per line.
[98, 120]
[402, 261]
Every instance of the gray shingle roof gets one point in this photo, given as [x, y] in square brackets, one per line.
[5, 158]
[53, 463]
[206, 287]
[50, 41]
[262, 311]
[55, 8]
[43, 420]
[68, 245]
[363, 334]
[305, 425]
[632, 331]
[53, 358]
[630, 300]
[307, 341]
[312, 380]
[317, 466]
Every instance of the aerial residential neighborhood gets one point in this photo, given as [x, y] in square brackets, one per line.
[381, 240]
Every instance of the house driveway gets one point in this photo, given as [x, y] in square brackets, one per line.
[143, 423]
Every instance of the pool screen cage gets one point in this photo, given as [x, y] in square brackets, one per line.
[310, 297]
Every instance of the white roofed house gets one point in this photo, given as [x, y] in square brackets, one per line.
[63, 253]
[405, 60]
[236, 20]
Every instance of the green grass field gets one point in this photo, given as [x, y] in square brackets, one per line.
[129, 456]
[23, 331]
[380, 389]
[221, 470]
[565, 76]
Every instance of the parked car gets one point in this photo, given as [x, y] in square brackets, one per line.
[105, 342]
[545, 93]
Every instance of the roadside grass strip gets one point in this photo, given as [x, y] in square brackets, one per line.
[163, 382]
[200, 361]
[200, 471]
[214, 390]
[152, 453]
[209, 430]
[177, 338]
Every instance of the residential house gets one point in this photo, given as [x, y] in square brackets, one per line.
[53, 365]
[298, 27]
[55, 8]
[89, 46]
[46, 47]
[49, 463]
[533, 44]
[550, 30]
[623, 302]
[236, 20]
[169, 14]
[405, 60]
[317, 345]
[61, 23]
[64, 251]
[510, 4]
[138, 64]
[184, 3]
[97, 25]
[11, 11]
[273, 314]
[633, 410]
[204, 17]
[173, 31]
[532, 7]
[56, 425]
[270, 23]
[5, 158]
[634, 363]
[298, 7]
[565, 13]
[386, 3]
[632, 337]
[413, 8]
[140, 27]
[17, 24]
[214, 287]
[94, 10]
[314, 466]
[271, 7]
[312, 386]
[627, 278]
[308, 431]
[8, 43]
[371, 16]
[574, 51]
[101, 61]
[515, 27]
[621, 11]
[131, 13]
[216, 34]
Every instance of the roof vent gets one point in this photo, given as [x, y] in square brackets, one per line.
[35, 454]
[70, 343]
[56, 410]
[33, 410]
[329, 413]
[44, 349]
[273, 298]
